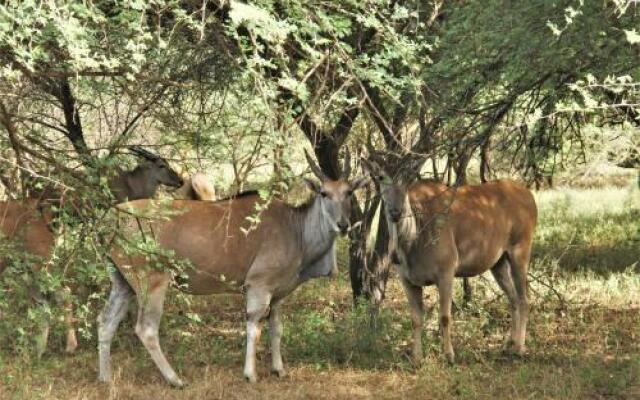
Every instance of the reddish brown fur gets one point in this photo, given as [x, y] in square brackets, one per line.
[480, 221]
[444, 232]
[22, 223]
[439, 232]
[26, 226]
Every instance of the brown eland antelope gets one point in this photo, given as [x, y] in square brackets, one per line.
[26, 224]
[438, 233]
[289, 246]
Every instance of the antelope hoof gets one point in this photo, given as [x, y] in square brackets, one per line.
[41, 347]
[40, 354]
[104, 378]
[395, 258]
[520, 350]
[177, 383]
[416, 360]
[251, 378]
[451, 359]
[280, 373]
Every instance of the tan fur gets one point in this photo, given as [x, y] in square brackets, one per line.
[203, 187]
[26, 223]
[191, 233]
[479, 222]
[229, 253]
[196, 187]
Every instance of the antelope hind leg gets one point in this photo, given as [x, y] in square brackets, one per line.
[42, 304]
[502, 276]
[445, 288]
[275, 332]
[72, 340]
[519, 260]
[150, 306]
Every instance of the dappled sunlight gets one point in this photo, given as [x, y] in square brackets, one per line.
[583, 331]
[358, 150]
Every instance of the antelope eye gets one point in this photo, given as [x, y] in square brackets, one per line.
[324, 194]
[349, 192]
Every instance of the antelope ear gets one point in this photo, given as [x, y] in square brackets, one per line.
[313, 185]
[359, 182]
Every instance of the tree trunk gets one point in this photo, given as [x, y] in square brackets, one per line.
[460, 167]
[61, 90]
[369, 268]
[6, 120]
[356, 259]
[327, 153]
[485, 166]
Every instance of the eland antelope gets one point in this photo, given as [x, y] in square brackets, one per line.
[266, 261]
[143, 181]
[26, 225]
[438, 233]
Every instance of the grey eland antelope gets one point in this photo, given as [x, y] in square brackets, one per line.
[267, 261]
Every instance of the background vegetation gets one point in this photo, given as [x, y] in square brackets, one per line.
[541, 91]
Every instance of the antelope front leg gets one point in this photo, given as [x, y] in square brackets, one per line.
[445, 288]
[257, 308]
[113, 313]
[72, 340]
[42, 337]
[275, 331]
[414, 295]
[69, 320]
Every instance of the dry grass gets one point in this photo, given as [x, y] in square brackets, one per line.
[583, 336]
